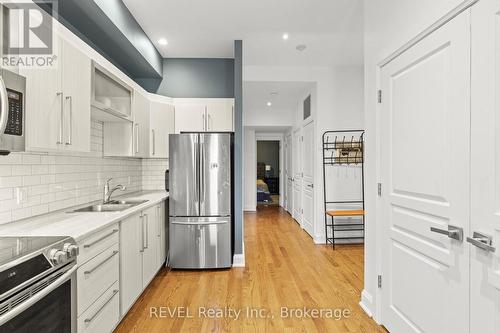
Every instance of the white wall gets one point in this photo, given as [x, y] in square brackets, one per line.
[389, 24]
[337, 97]
[249, 170]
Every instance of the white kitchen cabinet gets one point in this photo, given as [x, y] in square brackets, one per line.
[204, 115]
[190, 118]
[162, 235]
[162, 124]
[139, 253]
[58, 103]
[220, 117]
[141, 125]
[149, 254]
[103, 315]
[131, 261]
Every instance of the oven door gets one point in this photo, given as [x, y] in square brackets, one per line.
[48, 310]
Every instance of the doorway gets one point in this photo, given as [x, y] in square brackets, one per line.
[268, 172]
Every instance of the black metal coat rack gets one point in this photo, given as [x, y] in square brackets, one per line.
[343, 148]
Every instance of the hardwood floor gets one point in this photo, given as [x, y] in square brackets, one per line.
[284, 268]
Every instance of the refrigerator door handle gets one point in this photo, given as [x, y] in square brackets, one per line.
[200, 223]
[197, 171]
[202, 175]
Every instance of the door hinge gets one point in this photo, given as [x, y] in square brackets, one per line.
[379, 96]
[379, 189]
[379, 281]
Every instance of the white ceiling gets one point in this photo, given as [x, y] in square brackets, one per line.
[257, 94]
[331, 29]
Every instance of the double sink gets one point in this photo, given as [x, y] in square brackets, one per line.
[111, 206]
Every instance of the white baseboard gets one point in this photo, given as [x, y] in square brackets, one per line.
[320, 239]
[239, 259]
[250, 209]
[366, 303]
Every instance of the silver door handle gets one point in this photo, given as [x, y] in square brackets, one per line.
[154, 141]
[310, 185]
[142, 233]
[146, 245]
[101, 263]
[101, 239]
[4, 112]
[452, 232]
[60, 142]
[88, 320]
[70, 127]
[482, 241]
[204, 123]
[158, 219]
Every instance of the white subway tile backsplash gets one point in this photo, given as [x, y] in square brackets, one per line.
[5, 170]
[21, 170]
[13, 181]
[53, 182]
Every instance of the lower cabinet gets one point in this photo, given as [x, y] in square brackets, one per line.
[140, 239]
[104, 314]
[98, 280]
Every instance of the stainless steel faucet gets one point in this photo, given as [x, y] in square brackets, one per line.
[107, 192]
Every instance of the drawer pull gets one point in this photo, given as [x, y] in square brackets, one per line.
[101, 263]
[89, 320]
[101, 239]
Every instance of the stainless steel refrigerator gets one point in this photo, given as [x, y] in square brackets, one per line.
[200, 184]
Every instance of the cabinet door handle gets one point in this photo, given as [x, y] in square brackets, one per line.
[61, 115]
[146, 245]
[142, 233]
[209, 122]
[86, 246]
[158, 220]
[204, 122]
[89, 320]
[101, 263]
[136, 138]
[154, 141]
[70, 127]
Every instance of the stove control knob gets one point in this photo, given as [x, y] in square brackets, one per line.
[71, 250]
[57, 257]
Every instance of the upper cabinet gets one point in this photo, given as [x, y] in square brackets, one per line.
[204, 115]
[162, 121]
[58, 103]
[141, 125]
[220, 116]
[111, 97]
[190, 118]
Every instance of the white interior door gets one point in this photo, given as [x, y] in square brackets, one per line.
[297, 176]
[485, 167]
[308, 179]
[425, 174]
[289, 174]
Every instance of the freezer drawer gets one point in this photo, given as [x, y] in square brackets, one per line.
[200, 243]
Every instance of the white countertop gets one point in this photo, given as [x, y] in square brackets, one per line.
[78, 225]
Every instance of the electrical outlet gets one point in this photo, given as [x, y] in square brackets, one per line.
[21, 195]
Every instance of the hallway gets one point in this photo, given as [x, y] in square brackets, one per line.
[284, 268]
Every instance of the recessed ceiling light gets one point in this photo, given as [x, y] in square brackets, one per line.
[285, 36]
[269, 103]
[301, 47]
[162, 41]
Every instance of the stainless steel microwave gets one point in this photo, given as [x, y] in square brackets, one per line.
[12, 112]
